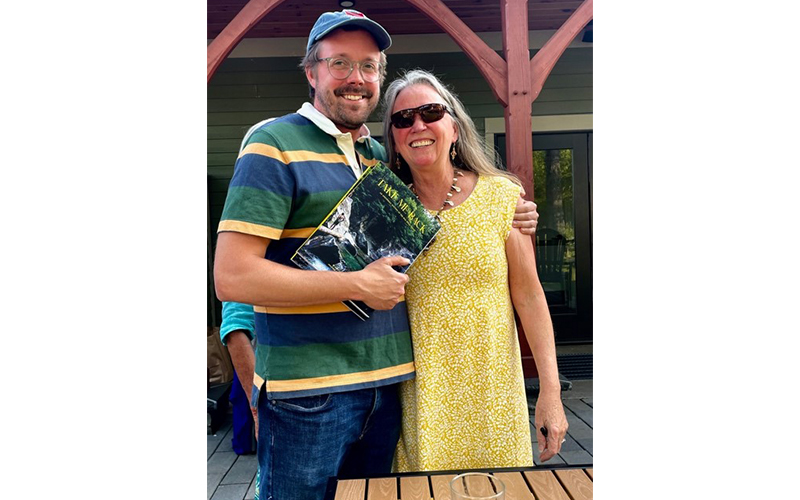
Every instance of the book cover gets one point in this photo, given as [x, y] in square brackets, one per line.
[378, 217]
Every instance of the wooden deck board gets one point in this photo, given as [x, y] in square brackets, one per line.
[242, 471]
[225, 443]
[516, 487]
[577, 428]
[350, 489]
[587, 444]
[212, 482]
[555, 484]
[251, 491]
[440, 484]
[579, 457]
[214, 440]
[570, 444]
[230, 492]
[221, 461]
[577, 483]
[477, 485]
[581, 409]
[382, 489]
[546, 486]
[414, 488]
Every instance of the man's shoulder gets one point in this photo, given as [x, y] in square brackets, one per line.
[275, 128]
[292, 132]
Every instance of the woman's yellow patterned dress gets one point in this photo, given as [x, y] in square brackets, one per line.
[467, 407]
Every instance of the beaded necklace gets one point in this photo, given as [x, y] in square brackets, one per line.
[453, 189]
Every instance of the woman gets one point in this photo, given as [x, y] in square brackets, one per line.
[467, 408]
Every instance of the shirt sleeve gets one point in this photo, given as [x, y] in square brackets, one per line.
[236, 316]
[260, 194]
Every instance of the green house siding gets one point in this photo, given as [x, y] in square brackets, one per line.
[247, 90]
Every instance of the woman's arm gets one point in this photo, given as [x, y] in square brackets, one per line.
[529, 301]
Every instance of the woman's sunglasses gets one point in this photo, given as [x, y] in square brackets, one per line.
[428, 112]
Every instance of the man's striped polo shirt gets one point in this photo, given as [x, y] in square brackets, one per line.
[288, 177]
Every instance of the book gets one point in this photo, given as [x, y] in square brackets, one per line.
[378, 217]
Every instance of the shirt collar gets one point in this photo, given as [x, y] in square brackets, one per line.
[326, 125]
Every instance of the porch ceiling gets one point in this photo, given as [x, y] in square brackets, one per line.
[294, 18]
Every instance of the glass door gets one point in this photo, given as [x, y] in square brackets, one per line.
[563, 245]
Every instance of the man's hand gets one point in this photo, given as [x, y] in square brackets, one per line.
[526, 217]
[244, 362]
[381, 286]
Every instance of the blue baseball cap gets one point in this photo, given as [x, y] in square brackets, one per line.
[329, 21]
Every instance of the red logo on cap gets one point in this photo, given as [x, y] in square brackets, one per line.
[354, 13]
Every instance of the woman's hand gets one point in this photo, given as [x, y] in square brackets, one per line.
[550, 416]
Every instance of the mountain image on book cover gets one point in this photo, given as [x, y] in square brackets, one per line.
[378, 217]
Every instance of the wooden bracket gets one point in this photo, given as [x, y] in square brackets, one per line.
[488, 62]
[544, 60]
[224, 43]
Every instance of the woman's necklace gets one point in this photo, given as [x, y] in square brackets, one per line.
[453, 189]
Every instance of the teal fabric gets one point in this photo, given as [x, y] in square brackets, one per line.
[236, 316]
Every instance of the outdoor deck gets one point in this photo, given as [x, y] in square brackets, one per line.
[231, 477]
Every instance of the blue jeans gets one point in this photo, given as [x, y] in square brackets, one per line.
[303, 442]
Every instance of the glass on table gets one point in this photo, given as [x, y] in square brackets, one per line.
[477, 486]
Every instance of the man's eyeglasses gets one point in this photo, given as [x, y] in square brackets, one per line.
[340, 68]
[428, 112]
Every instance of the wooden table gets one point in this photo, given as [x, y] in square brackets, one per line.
[521, 484]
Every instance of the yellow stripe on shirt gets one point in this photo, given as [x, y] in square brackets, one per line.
[264, 231]
[318, 309]
[303, 232]
[338, 380]
[292, 156]
[250, 228]
[257, 381]
[366, 162]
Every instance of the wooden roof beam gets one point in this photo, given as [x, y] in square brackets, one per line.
[224, 43]
[547, 57]
[489, 63]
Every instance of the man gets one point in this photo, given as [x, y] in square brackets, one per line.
[238, 324]
[325, 382]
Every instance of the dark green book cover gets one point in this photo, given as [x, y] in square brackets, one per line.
[378, 217]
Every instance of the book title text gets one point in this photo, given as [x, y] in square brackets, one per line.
[404, 207]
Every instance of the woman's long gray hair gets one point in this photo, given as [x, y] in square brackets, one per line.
[471, 153]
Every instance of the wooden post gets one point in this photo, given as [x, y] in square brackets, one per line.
[519, 158]
[525, 80]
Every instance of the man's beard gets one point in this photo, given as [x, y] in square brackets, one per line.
[336, 109]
